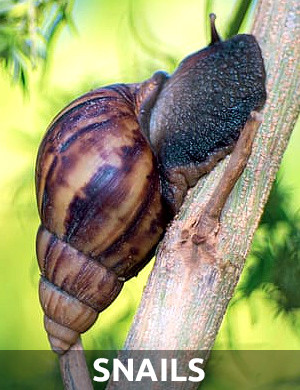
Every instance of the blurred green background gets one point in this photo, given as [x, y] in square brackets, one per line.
[74, 47]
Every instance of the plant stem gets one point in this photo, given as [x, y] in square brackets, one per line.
[74, 369]
[185, 299]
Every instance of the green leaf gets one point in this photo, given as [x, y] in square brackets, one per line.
[27, 29]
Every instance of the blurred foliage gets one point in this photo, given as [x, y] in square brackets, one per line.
[238, 14]
[275, 265]
[27, 30]
[240, 10]
[148, 42]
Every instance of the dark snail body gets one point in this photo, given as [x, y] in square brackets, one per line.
[201, 110]
[111, 161]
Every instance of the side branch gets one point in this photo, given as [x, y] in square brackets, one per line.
[203, 230]
[234, 169]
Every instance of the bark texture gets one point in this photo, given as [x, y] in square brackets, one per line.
[74, 371]
[186, 296]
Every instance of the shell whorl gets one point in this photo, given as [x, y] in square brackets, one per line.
[99, 201]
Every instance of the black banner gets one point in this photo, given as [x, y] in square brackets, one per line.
[225, 370]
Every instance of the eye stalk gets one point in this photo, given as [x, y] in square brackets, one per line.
[215, 37]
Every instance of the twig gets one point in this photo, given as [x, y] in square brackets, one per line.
[74, 369]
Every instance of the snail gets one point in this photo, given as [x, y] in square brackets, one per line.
[114, 168]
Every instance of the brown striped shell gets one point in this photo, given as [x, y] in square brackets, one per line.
[99, 201]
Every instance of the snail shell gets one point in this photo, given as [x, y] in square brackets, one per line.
[99, 201]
